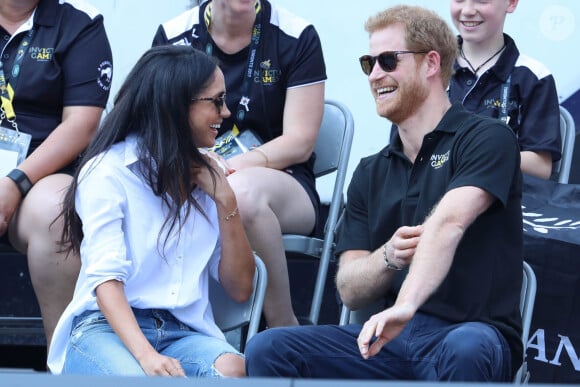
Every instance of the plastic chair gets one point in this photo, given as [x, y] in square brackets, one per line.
[527, 300]
[230, 314]
[568, 132]
[332, 153]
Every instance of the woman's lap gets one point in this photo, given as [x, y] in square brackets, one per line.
[95, 349]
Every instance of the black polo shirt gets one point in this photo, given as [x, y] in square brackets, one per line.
[289, 55]
[68, 63]
[387, 191]
[533, 106]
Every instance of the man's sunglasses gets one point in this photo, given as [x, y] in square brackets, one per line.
[387, 60]
[217, 101]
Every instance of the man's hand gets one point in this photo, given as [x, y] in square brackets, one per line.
[385, 326]
[401, 247]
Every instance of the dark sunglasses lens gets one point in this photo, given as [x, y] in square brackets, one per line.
[388, 61]
[367, 63]
[219, 102]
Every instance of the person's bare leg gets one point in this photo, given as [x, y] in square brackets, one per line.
[53, 274]
[271, 203]
[231, 365]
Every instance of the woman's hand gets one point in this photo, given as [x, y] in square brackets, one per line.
[221, 191]
[155, 364]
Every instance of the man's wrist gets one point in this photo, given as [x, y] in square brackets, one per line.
[21, 180]
[389, 265]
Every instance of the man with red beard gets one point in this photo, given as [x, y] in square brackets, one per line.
[441, 202]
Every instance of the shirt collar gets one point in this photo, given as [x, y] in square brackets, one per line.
[131, 157]
[448, 124]
[46, 13]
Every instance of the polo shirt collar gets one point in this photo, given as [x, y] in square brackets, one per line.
[448, 124]
[46, 13]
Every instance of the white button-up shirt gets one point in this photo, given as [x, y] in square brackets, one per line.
[122, 223]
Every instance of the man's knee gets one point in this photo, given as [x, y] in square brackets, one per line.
[263, 351]
[473, 351]
[471, 339]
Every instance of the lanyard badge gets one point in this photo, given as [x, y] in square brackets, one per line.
[14, 144]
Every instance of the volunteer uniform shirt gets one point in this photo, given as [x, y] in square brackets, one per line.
[533, 106]
[289, 55]
[68, 63]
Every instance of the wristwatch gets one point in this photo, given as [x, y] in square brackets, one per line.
[389, 265]
[22, 181]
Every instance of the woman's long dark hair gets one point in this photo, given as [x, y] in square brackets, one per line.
[153, 103]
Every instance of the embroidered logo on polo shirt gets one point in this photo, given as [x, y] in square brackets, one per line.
[437, 161]
[266, 75]
[41, 54]
[105, 77]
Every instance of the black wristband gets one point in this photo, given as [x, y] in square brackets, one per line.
[22, 181]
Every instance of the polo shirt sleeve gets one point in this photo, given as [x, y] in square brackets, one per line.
[308, 65]
[540, 118]
[354, 231]
[487, 157]
[87, 67]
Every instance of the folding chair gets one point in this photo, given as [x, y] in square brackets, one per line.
[230, 314]
[332, 153]
[527, 299]
[562, 167]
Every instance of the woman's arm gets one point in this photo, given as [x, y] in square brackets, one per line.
[113, 304]
[236, 267]
[59, 149]
[303, 111]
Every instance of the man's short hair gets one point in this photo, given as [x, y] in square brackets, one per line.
[424, 31]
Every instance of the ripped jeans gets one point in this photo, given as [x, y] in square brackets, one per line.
[94, 348]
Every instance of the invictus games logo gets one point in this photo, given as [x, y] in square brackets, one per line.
[437, 161]
[266, 75]
[105, 76]
[41, 54]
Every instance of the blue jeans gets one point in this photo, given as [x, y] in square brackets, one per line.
[94, 348]
[427, 349]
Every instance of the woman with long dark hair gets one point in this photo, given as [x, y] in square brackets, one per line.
[153, 217]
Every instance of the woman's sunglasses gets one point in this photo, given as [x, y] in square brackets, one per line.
[387, 60]
[217, 101]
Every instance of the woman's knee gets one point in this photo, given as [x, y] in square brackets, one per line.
[251, 200]
[42, 206]
[230, 365]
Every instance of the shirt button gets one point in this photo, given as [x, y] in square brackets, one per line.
[6, 37]
[469, 82]
[5, 56]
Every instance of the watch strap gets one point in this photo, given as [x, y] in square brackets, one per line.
[21, 180]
